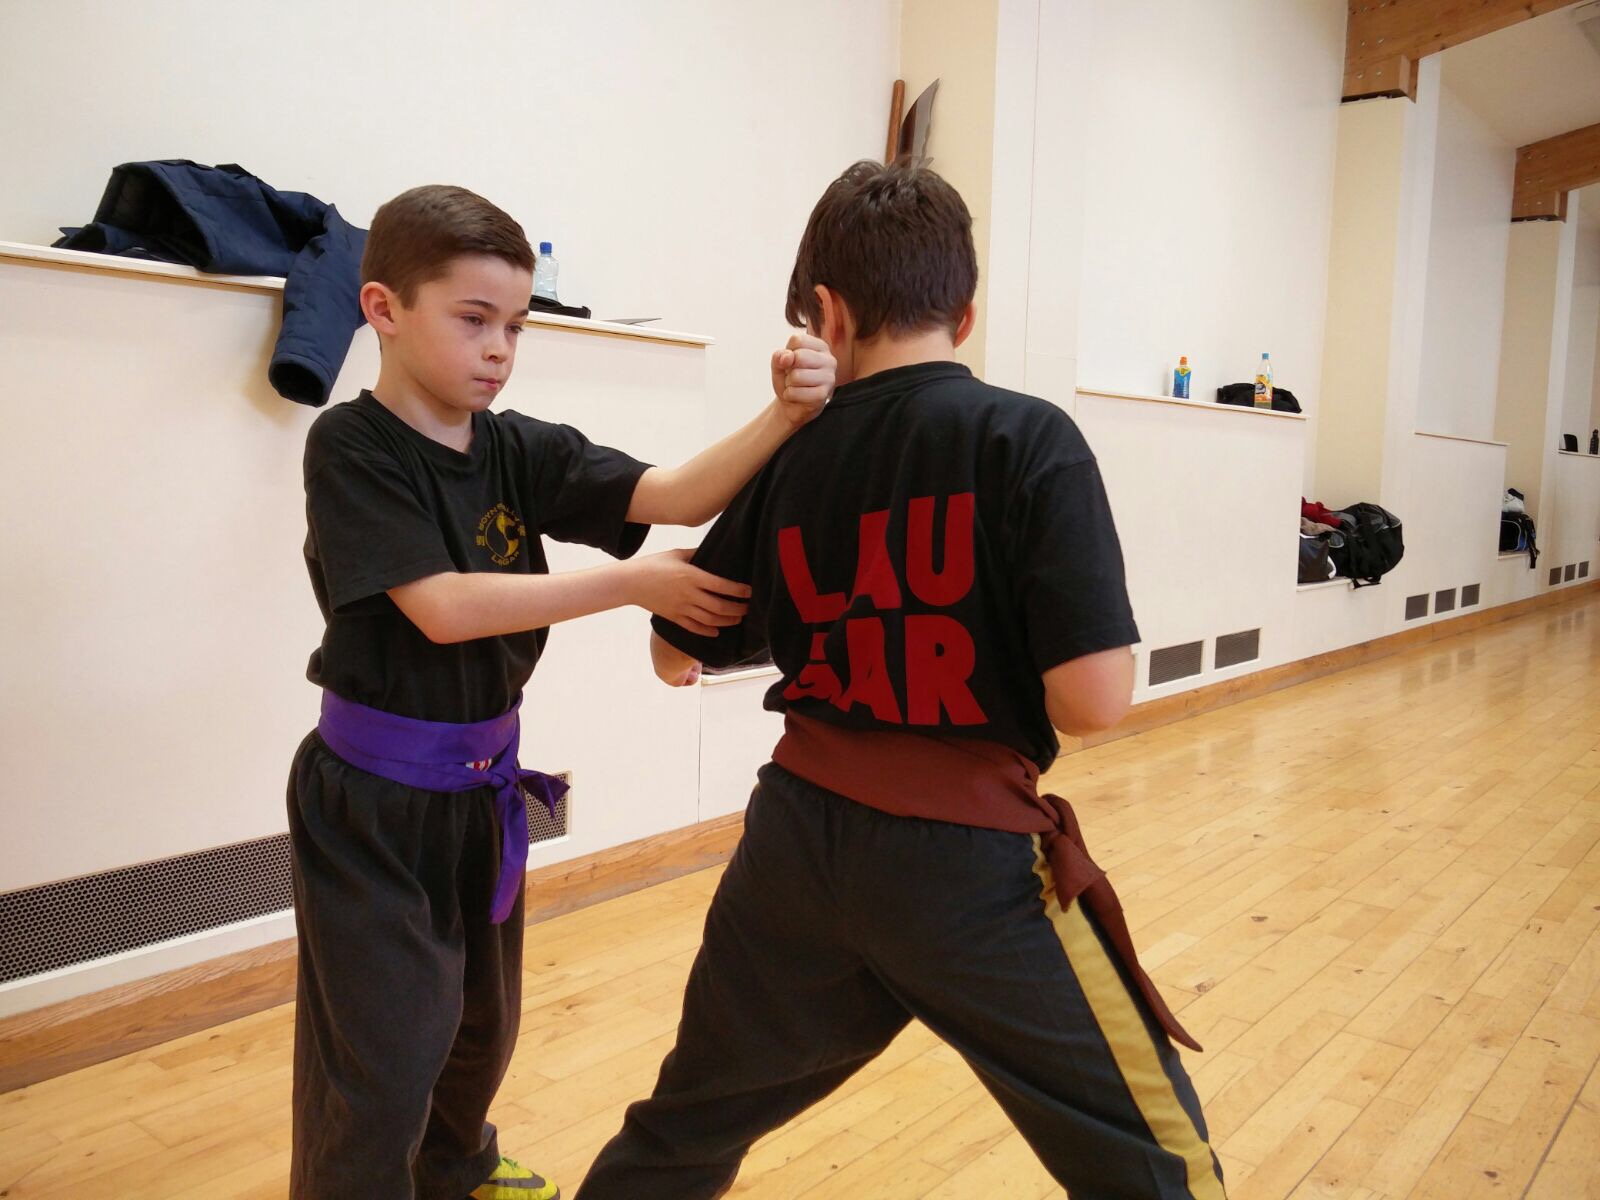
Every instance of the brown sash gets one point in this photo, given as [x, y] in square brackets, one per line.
[967, 782]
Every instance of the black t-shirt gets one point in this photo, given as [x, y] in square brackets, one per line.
[386, 505]
[919, 555]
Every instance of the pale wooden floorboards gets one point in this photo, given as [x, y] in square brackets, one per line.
[1375, 899]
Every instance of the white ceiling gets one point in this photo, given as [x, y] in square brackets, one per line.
[1533, 80]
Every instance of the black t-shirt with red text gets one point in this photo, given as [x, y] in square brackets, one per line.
[919, 555]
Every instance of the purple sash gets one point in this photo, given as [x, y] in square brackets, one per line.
[440, 756]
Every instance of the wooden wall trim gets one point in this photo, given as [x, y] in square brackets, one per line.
[77, 1033]
[1385, 38]
[1548, 170]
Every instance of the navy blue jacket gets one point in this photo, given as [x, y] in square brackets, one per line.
[226, 221]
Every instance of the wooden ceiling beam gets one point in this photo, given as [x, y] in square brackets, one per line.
[1548, 170]
[1385, 38]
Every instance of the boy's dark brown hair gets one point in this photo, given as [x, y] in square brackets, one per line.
[415, 236]
[896, 243]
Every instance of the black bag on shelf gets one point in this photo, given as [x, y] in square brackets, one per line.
[540, 304]
[1518, 535]
[1243, 395]
[1316, 558]
[1569, 442]
[1373, 545]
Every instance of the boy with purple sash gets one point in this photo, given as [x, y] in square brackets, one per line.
[407, 805]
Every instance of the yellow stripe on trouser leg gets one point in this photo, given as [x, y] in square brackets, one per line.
[1117, 1013]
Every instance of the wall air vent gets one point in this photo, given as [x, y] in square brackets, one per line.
[1175, 662]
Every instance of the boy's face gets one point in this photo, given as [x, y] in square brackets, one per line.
[458, 336]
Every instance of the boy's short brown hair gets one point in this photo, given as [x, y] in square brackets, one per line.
[896, 243]
[415, 236]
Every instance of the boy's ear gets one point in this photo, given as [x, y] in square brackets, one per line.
[378, 305]
[968, 319]
[838, 326]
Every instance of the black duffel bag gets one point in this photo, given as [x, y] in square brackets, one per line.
[1373, 544]
[1243, 395]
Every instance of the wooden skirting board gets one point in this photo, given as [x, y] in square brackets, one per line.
[64, 1037]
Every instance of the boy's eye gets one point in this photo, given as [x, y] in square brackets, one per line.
[514, 329]
[472, 318]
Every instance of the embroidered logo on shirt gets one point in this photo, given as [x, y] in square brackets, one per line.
[501, 533]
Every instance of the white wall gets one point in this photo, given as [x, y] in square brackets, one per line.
[954, 41]
[1011, 198]
[1364, 256]
[1452, 522]
[1574, 535]
[1534, 351]
[1240, 469]
[158, 616]
[1466, 279]
[1209, 178]
[670, 151]
[1578, 415]
[1578, 400]
[158, 619]
[1382, 222]
[1058, 180]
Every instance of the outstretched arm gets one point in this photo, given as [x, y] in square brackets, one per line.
[460, 606]
[802, 381]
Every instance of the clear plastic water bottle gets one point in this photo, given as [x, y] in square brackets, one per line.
[544, 273]
[1264, 382]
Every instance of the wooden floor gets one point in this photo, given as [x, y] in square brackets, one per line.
[1375, 899]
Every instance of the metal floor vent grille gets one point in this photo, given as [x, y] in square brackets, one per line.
[1445, 601]
[1583, 570]
[1555, 576]
[1416, 607]
[541, 826]
[1469, 595]
[1236, 648]
[1571, 572]
[56, 925]
[1176, 662]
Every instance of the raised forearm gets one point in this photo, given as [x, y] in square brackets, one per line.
[701, 488]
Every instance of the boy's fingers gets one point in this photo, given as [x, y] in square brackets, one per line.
[804, 341]
[718, 620]
[782, 360]
[727, 608]
[813, 377]
[699, 628]
[811, 360]
[723, 587]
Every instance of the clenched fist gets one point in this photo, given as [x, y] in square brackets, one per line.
[802, 377]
